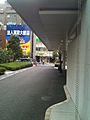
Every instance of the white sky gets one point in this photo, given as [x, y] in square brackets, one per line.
[2, 1]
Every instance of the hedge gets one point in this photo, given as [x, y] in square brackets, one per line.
[2, 70]
[16, 65]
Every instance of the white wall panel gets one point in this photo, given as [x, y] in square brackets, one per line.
[78, 75]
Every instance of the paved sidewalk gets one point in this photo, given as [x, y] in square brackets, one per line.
[28, 94]
[65, 110]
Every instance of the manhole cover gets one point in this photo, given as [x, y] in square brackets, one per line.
[46, 98]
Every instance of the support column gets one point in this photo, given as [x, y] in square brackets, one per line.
[33, 45]
[64, 53]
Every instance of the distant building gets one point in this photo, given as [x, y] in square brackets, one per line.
[8, 16]
[42, 52]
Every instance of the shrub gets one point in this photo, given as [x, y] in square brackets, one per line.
[16, 65]
[2, 70]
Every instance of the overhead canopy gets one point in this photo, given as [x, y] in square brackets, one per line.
[51, 20]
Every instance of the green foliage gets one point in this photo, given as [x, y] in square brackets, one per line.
[14, 45]
[6, 56]
[16, 65]
[2, 70]
[10, 55]
[55, 54]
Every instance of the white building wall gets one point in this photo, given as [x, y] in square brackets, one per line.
[72, 68]
[78, 75]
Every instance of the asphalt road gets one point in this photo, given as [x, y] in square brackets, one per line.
[27, 95]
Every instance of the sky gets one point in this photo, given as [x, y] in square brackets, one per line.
[2, 1]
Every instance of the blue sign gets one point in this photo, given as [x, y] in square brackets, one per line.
[23, 31]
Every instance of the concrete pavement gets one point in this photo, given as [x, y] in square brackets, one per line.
[27, 95]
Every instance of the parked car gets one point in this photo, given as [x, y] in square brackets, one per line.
[25, 59]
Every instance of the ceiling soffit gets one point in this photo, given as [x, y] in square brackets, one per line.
[49, 19]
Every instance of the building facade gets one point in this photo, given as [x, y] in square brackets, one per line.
[42, 52]
[8, 15]
[9, 18]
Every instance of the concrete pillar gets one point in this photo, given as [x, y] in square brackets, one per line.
[64, 59]
[31, 53]
[64, 53]
[33, 45]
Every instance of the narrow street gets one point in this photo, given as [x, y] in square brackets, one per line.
[27, 95]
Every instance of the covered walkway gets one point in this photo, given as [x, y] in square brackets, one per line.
[64, 25]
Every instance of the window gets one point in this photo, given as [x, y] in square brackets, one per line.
[11, 16]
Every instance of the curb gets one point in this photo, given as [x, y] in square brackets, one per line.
[48, 111]
[11, 73]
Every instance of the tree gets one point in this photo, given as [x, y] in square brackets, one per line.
[5, 55]
[14, 45]
[55, 54]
